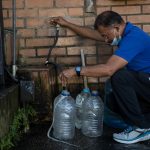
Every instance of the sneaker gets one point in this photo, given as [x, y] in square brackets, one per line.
[132, 135]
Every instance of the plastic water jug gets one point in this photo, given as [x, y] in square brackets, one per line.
[93, 112]
[64, 116]
[81, 97]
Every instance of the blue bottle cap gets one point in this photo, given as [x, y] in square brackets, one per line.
[86, 90]
[95, 93]
[65, 93]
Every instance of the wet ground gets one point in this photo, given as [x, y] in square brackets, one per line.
[37, 139]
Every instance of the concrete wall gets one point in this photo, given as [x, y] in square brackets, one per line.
[8, 107]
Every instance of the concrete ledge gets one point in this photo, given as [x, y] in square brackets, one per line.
[8, 107]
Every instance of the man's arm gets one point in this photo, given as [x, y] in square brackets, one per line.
[82, 31]
[113, 64]
[102, 70]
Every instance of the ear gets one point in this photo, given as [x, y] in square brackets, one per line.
[117, 27]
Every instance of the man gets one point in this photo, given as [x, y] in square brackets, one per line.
[128, 67]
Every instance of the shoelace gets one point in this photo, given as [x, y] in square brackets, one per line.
[127, 130]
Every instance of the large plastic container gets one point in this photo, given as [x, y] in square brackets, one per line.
[81, 97]
[93, 112]
[64, 116]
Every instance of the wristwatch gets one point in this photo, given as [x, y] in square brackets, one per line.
[78, 70]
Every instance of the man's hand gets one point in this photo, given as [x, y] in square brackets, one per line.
[66, 74]
[58, 20]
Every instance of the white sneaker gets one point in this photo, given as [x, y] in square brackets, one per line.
[132, 135]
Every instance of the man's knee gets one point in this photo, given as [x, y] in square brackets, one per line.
[122, 76]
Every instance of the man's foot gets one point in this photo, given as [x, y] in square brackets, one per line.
[132, 135]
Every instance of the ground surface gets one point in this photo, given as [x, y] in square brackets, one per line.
[37, 139]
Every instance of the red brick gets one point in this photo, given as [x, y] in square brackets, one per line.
[68, 41]
[8, 23]
[78, 21]
[103, 59]
[27, 52]
[5, 13]
[138, 2]
[38, 3]
[26, 32]
[69, 60]
[69, 3]
[89, 21]
[146, 28]
[20, 23]
[36, 36]
[51, 32]
[146, 8]
[53, 12]
[105, 50]
[19, 3]
[33, 61]
[39, 42]
[8, 4]
[35, 22]
[77, 50]
[59, 51]
[9, 13]
[22, 43]
[109, 2]
[46, 32]
[55, 51]
[91, 60]
[139, 18]
[127, 9]
[102, 9]
[87, 42]
[42, 52]
[27, 13]
[75, 11]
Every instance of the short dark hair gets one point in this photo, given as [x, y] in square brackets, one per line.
[107, 18]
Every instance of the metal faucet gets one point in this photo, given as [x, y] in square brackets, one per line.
[89, 6]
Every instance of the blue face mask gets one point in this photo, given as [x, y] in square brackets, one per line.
[116, 41]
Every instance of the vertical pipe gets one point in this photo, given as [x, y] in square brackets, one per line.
[14, 36]
[2, 60]
[2, 80]
[89, 6]
[83, 64]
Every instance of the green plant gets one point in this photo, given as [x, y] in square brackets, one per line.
[20, 125]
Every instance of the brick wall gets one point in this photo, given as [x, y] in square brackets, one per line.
[35, 36]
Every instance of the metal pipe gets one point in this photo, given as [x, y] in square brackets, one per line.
[2, 59]
[89, 6]
[14, 68]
